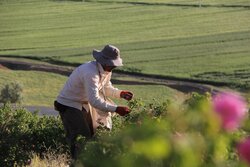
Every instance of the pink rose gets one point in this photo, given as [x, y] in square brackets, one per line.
[243, 149]
[231, 109]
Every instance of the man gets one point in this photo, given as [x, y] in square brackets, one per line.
[83, 102]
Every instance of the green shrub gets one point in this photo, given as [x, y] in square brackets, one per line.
[156, 135]
[152, 135]
[24, 133]
[11, 93]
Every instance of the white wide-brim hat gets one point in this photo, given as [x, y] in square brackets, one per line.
[109, 56]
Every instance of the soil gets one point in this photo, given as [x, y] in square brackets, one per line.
[3, 67]
[21, 65]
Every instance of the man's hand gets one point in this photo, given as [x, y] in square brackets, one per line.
[126, 95]
[122, 110]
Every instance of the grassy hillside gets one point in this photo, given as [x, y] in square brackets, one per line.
[165, 37]
[41, 88]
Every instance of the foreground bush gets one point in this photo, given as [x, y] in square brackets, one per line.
[50, 159]
[160, 136]
[154, 135]
[24, 133]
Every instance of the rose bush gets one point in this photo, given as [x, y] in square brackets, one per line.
[204, 131]
[23, 134]
[159, 135]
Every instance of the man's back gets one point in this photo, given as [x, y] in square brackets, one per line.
[74, 90]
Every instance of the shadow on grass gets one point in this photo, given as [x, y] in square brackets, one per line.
[163, 4]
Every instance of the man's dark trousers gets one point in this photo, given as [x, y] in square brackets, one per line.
[76, 122]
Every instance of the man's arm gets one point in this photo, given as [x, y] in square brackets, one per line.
[111, 91]
[114, 92]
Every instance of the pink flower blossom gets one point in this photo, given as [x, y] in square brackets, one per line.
[243, 149]
[231, 109]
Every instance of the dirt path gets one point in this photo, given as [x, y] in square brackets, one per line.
[182, 86]
[42, 110]
[22, 65]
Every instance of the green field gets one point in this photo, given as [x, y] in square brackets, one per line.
[163, 37]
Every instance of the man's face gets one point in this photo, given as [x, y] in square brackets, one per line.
[108, 68]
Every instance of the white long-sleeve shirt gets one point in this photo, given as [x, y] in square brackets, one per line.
[85, 84]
